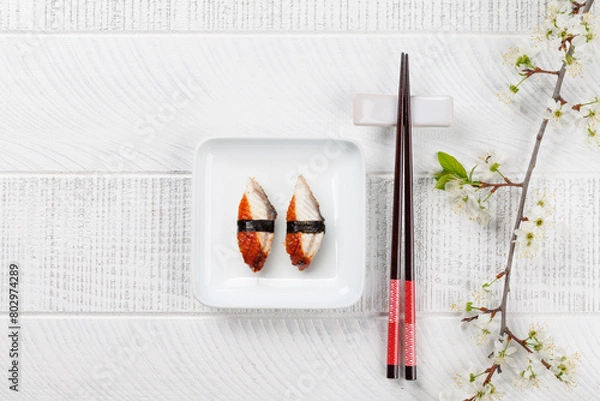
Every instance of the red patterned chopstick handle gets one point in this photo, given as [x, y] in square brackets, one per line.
[410, 344]
[393, 329]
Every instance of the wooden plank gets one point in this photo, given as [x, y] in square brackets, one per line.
[266, 15]
[121, 243]
[97, 357]
[143, 102]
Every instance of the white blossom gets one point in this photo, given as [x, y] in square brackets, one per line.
[585, 32]
[486, 297]
[560, 6]
[560, 26]
[556, 110]
[465, 199]
[583, 120]
[593, 111]
[468, 309]
[507, 96]
[464, 377]
[543, 202]
[484, 326]
[521, 57]
[531, 375]
[540, 342]
[587, 122]
[566, 24]
[564, 366]
[484, 392]
[469, 383]
[540, 214]
[490, 163]
[581, 41]
[479, 299]
[483, 216]
[528, 238]
[593, 137]
[503, 351]
[574, 68]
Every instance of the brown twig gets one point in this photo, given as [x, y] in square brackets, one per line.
[525, 188]
[491, 311]
[495, 186]
[577, 6]
[522, 343]
[491, 372]
[483, 310]
[537, 70]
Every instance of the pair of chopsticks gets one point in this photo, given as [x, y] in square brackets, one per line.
[403, 194]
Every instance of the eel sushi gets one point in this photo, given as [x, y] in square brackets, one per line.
[256, 225]
[305, 226]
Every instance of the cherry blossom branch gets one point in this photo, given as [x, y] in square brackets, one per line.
[528, 226]
[525, 188]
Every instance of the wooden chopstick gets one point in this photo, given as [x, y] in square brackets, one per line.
[409, 351]
[395, 273]
[403, 194]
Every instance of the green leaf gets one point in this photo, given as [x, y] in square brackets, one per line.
[471, 173]
[494, 167]
[569, 59]
[442, 180]
[525, 61]
[451, 165]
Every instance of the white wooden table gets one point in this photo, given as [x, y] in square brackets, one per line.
[98, 125]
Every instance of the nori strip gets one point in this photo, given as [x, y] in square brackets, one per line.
[266, 226]
[308, 227]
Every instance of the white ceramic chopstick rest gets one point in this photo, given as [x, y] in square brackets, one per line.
[380, 110]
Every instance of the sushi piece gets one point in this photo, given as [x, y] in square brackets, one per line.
[305, 226]
[256, 224]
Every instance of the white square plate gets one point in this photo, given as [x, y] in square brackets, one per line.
[335, 171]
